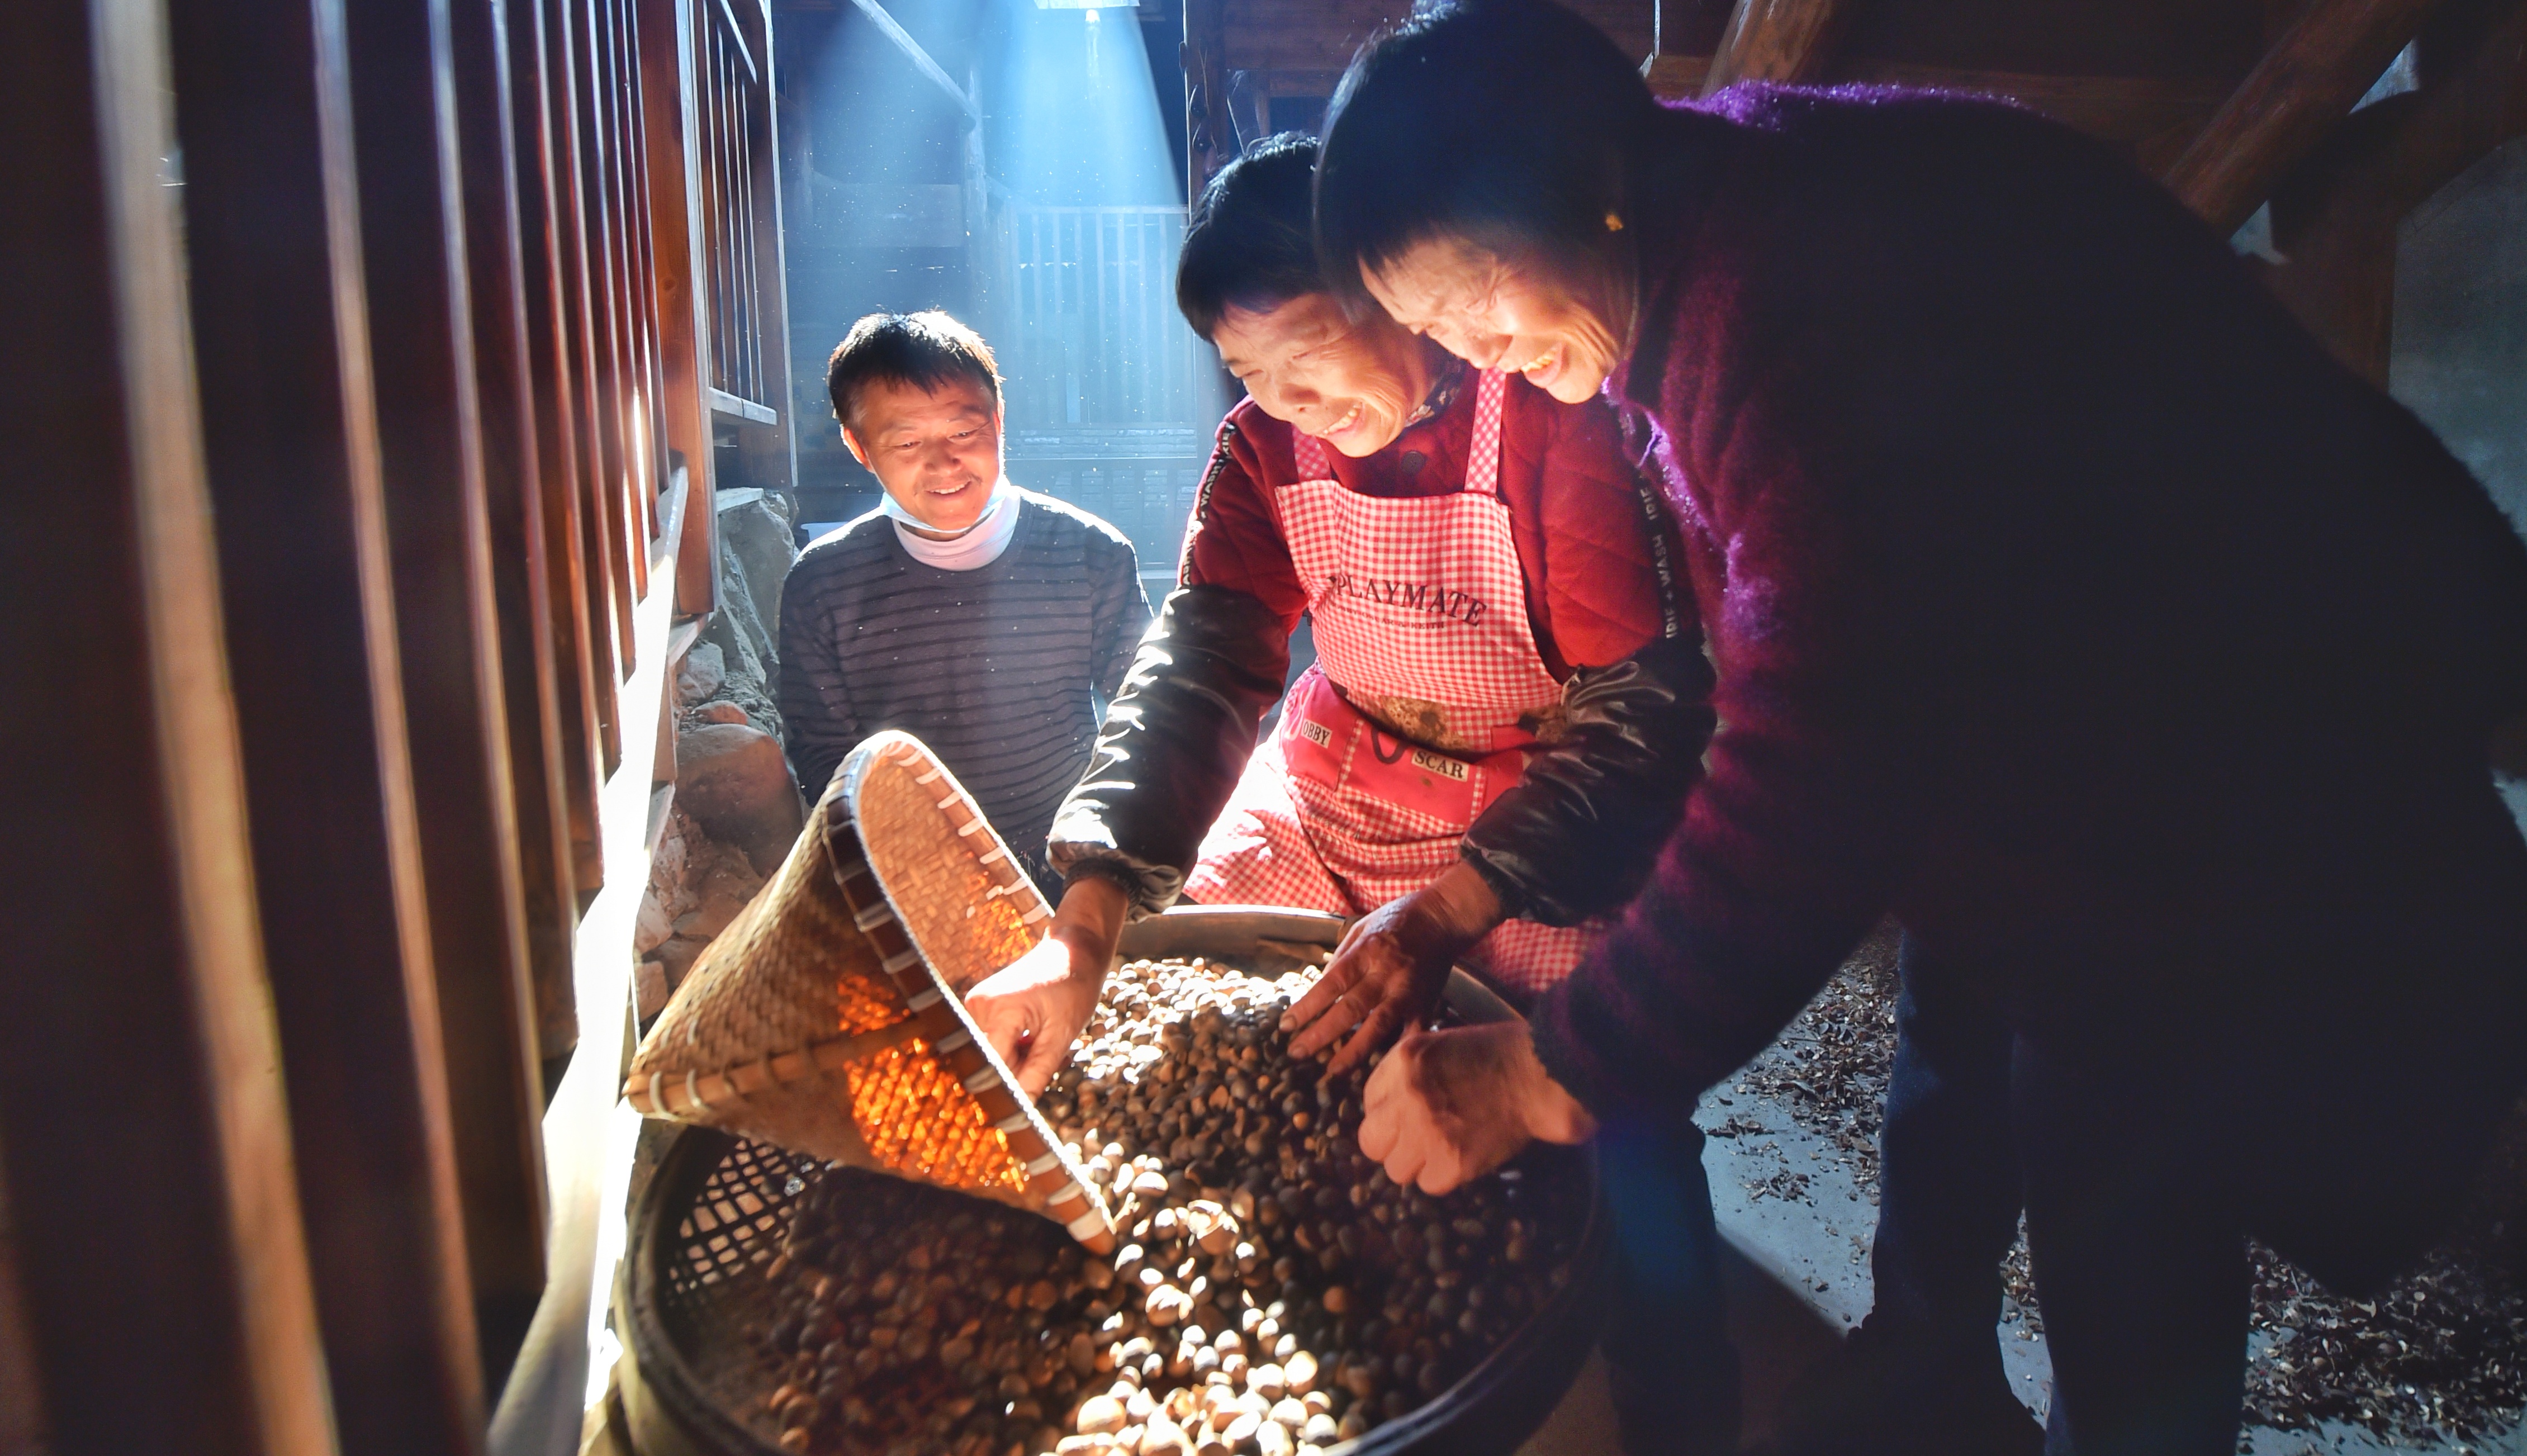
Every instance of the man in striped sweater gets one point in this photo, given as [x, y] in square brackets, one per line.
[990, 622]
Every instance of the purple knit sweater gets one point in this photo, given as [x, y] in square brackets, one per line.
[2067, 601]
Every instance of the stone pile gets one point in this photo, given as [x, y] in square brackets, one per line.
[737, 810]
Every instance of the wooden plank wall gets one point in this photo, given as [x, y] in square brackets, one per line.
[335, 348]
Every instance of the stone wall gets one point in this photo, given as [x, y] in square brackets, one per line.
[737, 808]
[743, 637]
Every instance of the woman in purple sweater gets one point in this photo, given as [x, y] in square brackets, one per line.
[2069, 604]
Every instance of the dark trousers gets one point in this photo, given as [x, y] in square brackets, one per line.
[1673, 1374]
[2140, 1267]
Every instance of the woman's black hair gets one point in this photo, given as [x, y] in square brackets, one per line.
[1249, 243]
[1507, 123]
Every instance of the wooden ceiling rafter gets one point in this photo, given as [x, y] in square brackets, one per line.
[922, 59]
[1210, 131]
[2336, 217]
[2232, 112]
[1777, 40]
[2305, 84]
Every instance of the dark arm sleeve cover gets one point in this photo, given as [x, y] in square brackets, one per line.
[1790, 846]
[1574, 836]
[1179, 733]
[1174, 743]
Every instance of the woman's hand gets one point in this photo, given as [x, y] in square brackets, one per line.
[1033, 1009]
[1447, 1107]
[1387, 974]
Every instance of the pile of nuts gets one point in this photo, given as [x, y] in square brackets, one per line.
[1274, 1293]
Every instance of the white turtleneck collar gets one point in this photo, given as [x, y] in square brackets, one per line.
[976, 547]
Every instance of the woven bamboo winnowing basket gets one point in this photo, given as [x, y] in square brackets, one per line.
[828, 1018]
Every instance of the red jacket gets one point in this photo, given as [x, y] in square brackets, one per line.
[1583, 546]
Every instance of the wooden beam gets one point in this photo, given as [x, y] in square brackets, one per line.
[487, 136]
[1675, 77]
[1780, 40]
[669, 101]
[153, 1205]
[921, 61]
[732, 407]
[554, 388]
[291, 434]
[429, 421]
[2303, 86]
[494, 1064]
[2332, 228]
[1210, 134]
[2335, 219]
[578, 93]
[771, 455]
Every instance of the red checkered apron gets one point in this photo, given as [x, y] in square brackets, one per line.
[1420, 598]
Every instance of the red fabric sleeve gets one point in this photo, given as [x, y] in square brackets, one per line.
[1234, 539]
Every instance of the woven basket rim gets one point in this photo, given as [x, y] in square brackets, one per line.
[894, 743]
[854, 772]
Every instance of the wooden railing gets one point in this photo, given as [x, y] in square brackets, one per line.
[1092, 316]
[363, 408]
[729, 86]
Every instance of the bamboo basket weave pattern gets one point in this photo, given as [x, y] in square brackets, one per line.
[827, 1017]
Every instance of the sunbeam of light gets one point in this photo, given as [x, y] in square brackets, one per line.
[1080, 114]
[1053, 228]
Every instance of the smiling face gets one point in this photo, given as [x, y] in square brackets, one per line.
[1351, 385]
[1524, 316]
[936, 452]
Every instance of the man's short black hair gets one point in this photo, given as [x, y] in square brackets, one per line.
[924, 350]
[1250, 244]
[1507, 123]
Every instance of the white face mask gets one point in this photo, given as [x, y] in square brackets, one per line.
[976, 547]
[1003, 493]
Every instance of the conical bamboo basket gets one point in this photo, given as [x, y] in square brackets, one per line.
[828, 1018]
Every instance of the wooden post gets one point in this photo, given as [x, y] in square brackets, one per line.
[667, 105]
[555, 385]
[2340, 243]
[2335, 219]
[487, 140]
[146, 1138]
[608, 377]
[291, 442]
[1210, 135]
[583, 253]
[982, 259]
[413, 231]
[1781, 40]
[2296, 93]
[772, 451]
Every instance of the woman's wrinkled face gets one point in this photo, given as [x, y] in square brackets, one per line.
[1351, 385]
[1523, 316]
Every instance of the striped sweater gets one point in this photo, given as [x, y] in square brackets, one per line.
[993, 668]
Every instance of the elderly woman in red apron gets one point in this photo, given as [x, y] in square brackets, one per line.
[1426, 693]
[1480, 762]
